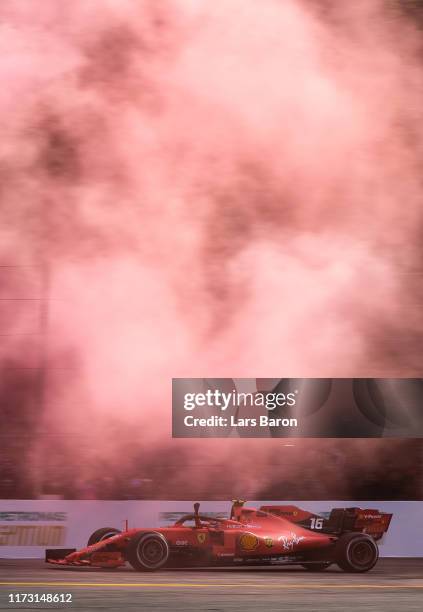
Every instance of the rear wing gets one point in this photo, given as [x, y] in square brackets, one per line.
[340, 520]
[371, 521]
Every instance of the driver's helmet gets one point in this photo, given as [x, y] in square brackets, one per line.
[236, 509]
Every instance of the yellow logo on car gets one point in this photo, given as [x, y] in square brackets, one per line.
[248, 541]
[201, 537]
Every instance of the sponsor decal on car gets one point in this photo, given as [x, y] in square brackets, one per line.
[248, 541]
[369, 516]
[201, 537]
[243, 526]
[181, 542]
[289, 541]
[268, 542]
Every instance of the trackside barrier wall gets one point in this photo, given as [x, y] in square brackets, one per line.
[27, 527]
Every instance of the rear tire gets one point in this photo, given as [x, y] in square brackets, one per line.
[356, 552]
[147, 552]
[316, 567]
[102, 534]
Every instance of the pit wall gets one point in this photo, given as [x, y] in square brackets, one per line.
[27, 527]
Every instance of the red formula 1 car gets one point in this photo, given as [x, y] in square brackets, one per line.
[270, 535]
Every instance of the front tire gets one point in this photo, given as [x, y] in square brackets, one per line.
[148, 552]
[102, 534]
[356, 552]
[316, 567]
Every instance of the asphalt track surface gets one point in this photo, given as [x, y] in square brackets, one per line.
[393, 585]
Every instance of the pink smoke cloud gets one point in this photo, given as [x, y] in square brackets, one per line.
[225, 189]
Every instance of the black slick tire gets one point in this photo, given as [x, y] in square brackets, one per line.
[356, 552]
[102, 534]
[148, 552]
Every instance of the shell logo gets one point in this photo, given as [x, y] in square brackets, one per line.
[248, 541]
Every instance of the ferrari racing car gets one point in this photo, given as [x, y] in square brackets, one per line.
[267, 536]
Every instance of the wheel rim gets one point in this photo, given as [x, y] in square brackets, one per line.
[362, 553]
[152, 552]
